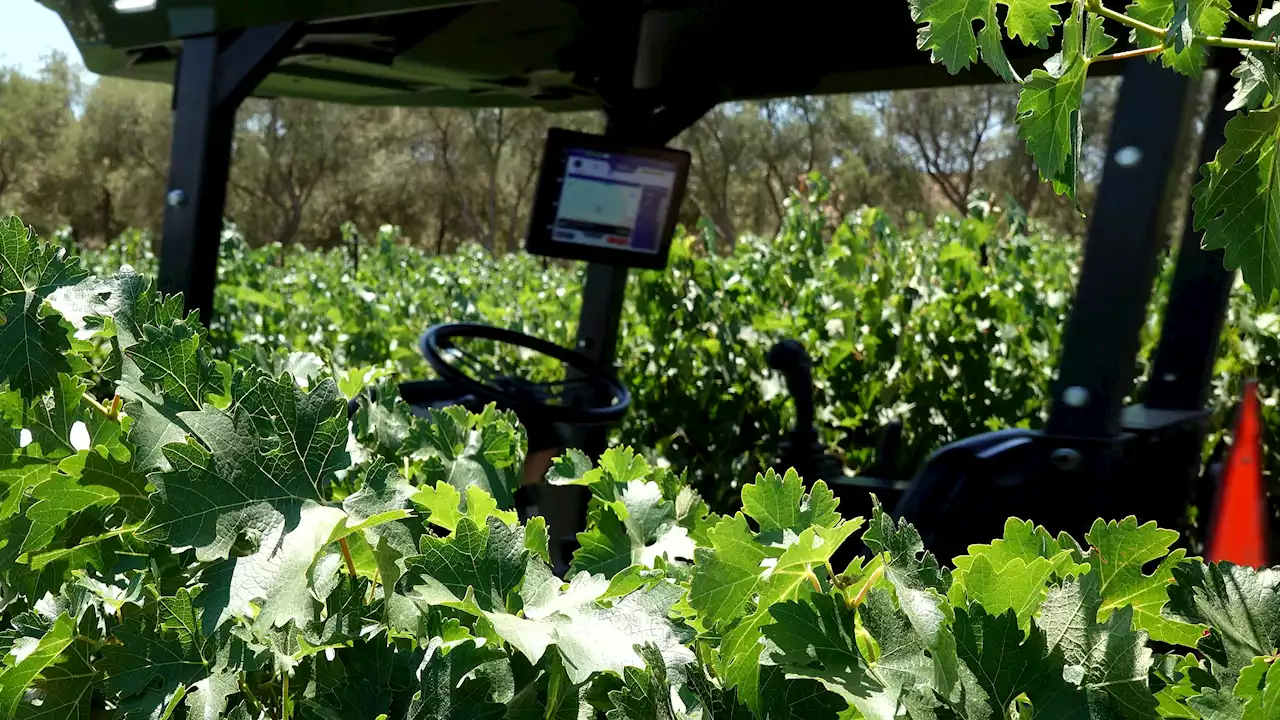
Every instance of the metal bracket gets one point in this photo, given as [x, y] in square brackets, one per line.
[1192, 326]
[215, 74]
[1100, 345]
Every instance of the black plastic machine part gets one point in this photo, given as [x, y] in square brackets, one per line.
[541, 240]
[1098, 457]
[803, 450]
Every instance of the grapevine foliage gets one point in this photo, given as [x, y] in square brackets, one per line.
[183, 538]
[1237, 200]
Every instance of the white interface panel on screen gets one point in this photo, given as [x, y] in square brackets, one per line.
[614, 200]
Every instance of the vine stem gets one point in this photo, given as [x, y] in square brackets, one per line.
[1128, 54]
[1238, 44]
[346, 555]
[1257, 13]
[1249, 24]
[284, 698]
[1096, 7]
[93, 402]
[875, 578]
[244, 689]
[813, 579]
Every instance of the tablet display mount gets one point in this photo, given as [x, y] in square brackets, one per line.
[602, 201]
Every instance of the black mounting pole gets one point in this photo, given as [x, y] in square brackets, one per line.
[1197, 308]
[216, 72]
[1121, 257]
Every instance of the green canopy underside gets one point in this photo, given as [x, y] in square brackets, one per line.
[556, 54]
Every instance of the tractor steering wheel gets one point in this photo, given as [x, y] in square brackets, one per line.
[590, 395]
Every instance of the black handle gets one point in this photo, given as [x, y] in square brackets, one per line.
[791, 359]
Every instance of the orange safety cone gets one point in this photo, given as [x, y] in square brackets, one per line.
[1238, 526]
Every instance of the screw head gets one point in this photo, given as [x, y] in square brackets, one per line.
[176, 198]
[1128, 156]
[1075, 396]
[1066, 458]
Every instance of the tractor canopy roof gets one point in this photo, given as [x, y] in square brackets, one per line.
[555, 54]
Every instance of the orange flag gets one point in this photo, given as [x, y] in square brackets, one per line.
[1238, 527]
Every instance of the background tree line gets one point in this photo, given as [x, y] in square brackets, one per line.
[93, 156]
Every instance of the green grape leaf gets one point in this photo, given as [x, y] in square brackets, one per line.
[1049, 105]
[1026, 541]
[64, 690]
[1113, 656]
[270, 582]
[1182, 20]
[536, 538]
[551, 696]
[1237, 200]
[33, 344]
[468, 681]
[1172, 685]
[383, 496]
[1240, 605]
[999, 665]
[740, 567]
[948, 33]
[363, 680]
[920, 585]
[207, 500]
[788, 698]
[261, 466]
[162, 406]
[148, 671]
[619, 466]
[715, 702]
[604, 548]
[816, 639]
[343, 616]
[648, 532]
[446, 506]
[466, 449]
[693, 515]
[119, 306]
[1259, 688]
[13, 533]
[311, 425]
[903, 667]
[52, 417]
[590, 637]
[573, 468]
[18, 476]
[488, 559]
[169, 360]
[1216, 704]
[93, 480]
[1017, 585]
[1257, 78]
[727, 575]
[1119, 552]
[24, 663]
[779, 504]
[1258, 74]
[646, 694]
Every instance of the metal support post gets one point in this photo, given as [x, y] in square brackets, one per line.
[1121, 257]
[1197, 305]
[215, 74]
